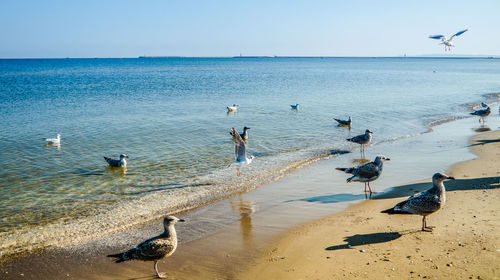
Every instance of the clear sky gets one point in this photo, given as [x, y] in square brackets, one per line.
[123, 28]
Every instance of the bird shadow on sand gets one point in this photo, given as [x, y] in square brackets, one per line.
[369, 238]
[333, 198]
[484, 142]
[455, 185]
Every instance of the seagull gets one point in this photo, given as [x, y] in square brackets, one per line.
[344, 122]
[244, 135]
[424, 203]
[240, 153]
[154, 249]
[117, 162]
[362, 139]
[366, 173]
[447, 42]
[55, 141]
[296, 106]
[233, 108]
[482, 113]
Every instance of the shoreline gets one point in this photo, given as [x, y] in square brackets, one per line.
[372, 245]
[253, 221]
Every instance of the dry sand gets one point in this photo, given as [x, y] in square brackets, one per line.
[363, 243]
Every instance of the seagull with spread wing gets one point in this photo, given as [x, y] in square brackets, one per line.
[447, 42]
[240, 152]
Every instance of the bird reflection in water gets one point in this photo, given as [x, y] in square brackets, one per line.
[245, 210]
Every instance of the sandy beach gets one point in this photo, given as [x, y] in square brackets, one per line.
[363, 243]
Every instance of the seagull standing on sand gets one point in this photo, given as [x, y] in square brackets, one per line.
[154, 249]
[366, 173]
[362, 139]
[424, 203]
[233, 108]
[482, 113]
[55, 141]
[122, 162]
[240, 153]
[344, 122]
[447, 42]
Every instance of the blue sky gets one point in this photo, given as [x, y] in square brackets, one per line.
[226, 28]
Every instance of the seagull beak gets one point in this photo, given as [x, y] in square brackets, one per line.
[387, 159]
[181, 220]
[450, 178]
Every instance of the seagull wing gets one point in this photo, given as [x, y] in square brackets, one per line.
[368, 170]
[239, 146]
[459, 33]
[421, 203]
[438, 37]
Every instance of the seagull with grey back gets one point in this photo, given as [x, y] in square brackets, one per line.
[244, 135]
[122, 162]
[154, 249]
[295, 107]
[366, 173]
[482, 113]
[344, 122]
[240, 153]
[362, 139]
[424, 203]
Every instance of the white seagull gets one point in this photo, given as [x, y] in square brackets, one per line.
[240, 152]
[55, 141]
[447, 42]
[482, 113]
[233, 108]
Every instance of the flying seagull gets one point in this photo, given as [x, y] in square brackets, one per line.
[447, 42]
[244, 135]
[424, 203]
[362, 139]
[154, 249]
[122, 162]
[344, 122]
[55, 141]
[240, 153]
[366, 173]
[482, 113]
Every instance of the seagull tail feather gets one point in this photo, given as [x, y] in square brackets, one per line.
[392, 210]
[120, 257]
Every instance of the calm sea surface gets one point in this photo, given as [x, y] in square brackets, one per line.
[169, 116]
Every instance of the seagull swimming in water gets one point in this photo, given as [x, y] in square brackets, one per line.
[154, 249]
[295, 107]
[424, 203]
[55, 141]
[240, 153]
[233, 108]
[122, 162]
[447, 42]
[344, 122]
[482, 113]
[362, 139]
[366, 173]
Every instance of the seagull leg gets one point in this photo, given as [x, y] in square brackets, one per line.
[365, 188]
[238, 173]
[158, 274]
[370, 189]
[424, 225]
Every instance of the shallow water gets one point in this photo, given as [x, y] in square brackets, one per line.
[169, 116]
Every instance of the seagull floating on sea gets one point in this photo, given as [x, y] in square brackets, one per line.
[482, 113]
[122, 162]
[344, 122]
[240, 153]
[296, 106]
[233, 108]
[362, 139]
[424, 203]
[154, 249]
[55, 141]
[366, 173]
[447, 42]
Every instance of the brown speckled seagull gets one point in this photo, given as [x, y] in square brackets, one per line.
[424, 203]
[366, 173]
[154, 249]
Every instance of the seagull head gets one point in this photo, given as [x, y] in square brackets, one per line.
[246, 127]
[482, 104]
[123, 156]
[368, 131]
[171, 220]
[381, 158]
[440, 177]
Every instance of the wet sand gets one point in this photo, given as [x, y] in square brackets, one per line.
[236, 238]
[363, 243]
